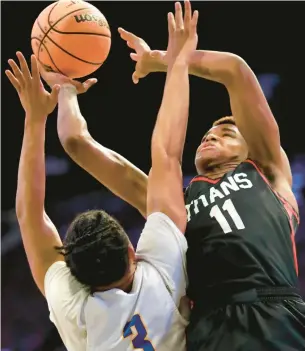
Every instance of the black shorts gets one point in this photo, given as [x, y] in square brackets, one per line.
[252, 322]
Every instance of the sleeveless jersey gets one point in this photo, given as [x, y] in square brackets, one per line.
[240, 234]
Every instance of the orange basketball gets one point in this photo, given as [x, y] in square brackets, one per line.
[71, 37]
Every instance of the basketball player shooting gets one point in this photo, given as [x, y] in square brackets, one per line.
[102, 295]
[242, 214]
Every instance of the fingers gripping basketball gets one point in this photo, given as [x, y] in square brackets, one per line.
[71, 37]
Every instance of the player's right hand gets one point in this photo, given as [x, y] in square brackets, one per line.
[36, 101]
[147, 60]
[182, 33]
[52, 78]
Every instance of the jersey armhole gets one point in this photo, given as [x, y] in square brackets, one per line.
[288, 209]
[291, 211]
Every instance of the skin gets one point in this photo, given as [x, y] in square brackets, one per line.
[256, 128]
[164, 191]
[221, 149]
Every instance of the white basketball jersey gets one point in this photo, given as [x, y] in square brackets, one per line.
[147, 318]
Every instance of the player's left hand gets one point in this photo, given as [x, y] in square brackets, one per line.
[182, 33]
[147, 60]
[36, 101]
[53, 78]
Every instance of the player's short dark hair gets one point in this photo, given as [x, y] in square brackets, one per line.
[96, 249]
[224, 120]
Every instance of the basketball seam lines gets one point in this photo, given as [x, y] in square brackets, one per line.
[45, 34]
[67, 52]
[52, 26]
[46, 48]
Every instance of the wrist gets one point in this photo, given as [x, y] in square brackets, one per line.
[163, 62]
[35, 121]
[67, 88]
[157, 61]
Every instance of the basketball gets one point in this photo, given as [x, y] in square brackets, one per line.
[71, 37]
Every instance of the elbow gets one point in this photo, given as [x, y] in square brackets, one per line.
[72, 136]
[73, 143]
[221, 67]
[239, 71]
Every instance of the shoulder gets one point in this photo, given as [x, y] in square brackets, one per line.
[66, 297]
[159, 229]
[62, 289]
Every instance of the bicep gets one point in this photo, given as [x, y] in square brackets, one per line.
[111, 169]
[254, 117]
[165, 193]
[40, 237]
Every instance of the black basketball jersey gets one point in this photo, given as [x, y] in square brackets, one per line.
[240, 234]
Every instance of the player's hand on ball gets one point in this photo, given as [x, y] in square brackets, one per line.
[182, 33]
[147, 61]
[36, 101]
[53, 78]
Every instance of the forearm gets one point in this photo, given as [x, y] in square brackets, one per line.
[112, 170]
[31, 174]
[170, 129]
[212, 65]
[70, 122]
[108, 167]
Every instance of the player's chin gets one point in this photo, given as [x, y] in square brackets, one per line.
[207, 157]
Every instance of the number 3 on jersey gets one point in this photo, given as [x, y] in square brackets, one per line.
[137, 331]
[221, 219]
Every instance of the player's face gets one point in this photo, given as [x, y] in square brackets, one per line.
[221, 144]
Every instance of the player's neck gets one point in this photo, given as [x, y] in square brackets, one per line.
[127, 282]
[124, 284]
[218, 171]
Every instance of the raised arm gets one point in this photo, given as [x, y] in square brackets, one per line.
[111, 169]
[249, 106]
[248, 103]
[165, 180]
[38, 233]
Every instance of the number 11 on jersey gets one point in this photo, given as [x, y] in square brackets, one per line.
[136, 330]
[221, 219]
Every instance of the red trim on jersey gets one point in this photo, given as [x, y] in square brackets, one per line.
[259, 171]
[204, 179]
[295, 213]
[290, 212]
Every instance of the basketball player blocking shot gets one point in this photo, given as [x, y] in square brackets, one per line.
[101, 294]
[241, 211]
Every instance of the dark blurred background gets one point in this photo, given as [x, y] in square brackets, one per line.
[120, 115]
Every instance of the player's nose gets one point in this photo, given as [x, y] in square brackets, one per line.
[212, 137]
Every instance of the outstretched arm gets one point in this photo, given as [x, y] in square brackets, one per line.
[39, 234]
[161, 242]
[248, 103]
[165, 181]
[111, 169]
